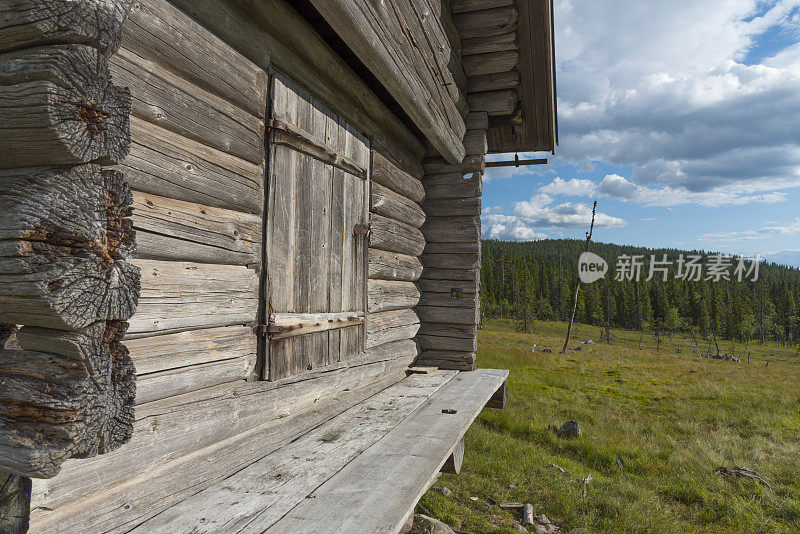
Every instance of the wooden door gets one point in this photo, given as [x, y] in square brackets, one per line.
[316, 240]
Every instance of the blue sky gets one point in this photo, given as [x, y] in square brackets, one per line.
[681, 118]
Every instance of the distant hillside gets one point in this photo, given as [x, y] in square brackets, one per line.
[536, 280]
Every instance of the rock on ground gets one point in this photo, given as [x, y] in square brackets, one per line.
[569, 430]
[428, 525]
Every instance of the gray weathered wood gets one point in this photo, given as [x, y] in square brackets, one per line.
[444, 207]
[386, 295]
[475, 142]
[490, 63]
[454, 248]
[386, 202]
[456, 300]
[453, 463]
[393, 266]
[461, 229]
[65, 242]
[158, 31]
[447, 359]
[187, 440]
[447, 343]
[494, 102]
[170, 229]
[463, 331]
[66, 394]
[493, 43]
[282, 133]
[345, 503]
[160, 97]
[58, 106]
[437, 166]
[447, 286]
[452, 261]
[255, 498]
[461, 6]
[298, 324]
[493, 82]
[498, 400]
[447, 314]
[165, 384]
[166, 164]
[384, 47]
[453, 185]
[477, 120]
[178, 296]
[393, 236]
[389, 175]
[385, 327]
[486, 22]
[28, 23]
[451, 274]
[15, 503]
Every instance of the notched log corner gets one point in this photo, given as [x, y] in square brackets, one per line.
[62, 108]
[64, 395]
[66, 238]
[98, 23]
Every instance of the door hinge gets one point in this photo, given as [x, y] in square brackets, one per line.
[361, 229]
[266, 329]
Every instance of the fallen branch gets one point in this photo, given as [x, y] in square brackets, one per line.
[741, 472]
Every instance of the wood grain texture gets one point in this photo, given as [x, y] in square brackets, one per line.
[494, 102]
[178, 296]
[389, 326]
[158, 31]
[385, 265]
[493, 82]
[173, 382]
[65, 241]
[345, 503]
[447, 314]
[453, 463]
[160, 97]
[385, 202]
[447, 359]
[465, 262]
[491, 63]
[461, 229]
[427, 342]
[453, 185]
[493, 43]
[64, 395]
[259, 495]
[167, 164]
[29, 23]
[15, 503]
[389, 175]
[486, 22]
[175, 230]
[195, 439]
[58, 107]
[461, 6]
[387, 295]
[393, 236]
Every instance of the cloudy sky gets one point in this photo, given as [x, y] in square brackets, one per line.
[681, 118]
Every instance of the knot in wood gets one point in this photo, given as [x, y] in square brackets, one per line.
[94, 116]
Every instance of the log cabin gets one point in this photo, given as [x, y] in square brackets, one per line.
[240, 254]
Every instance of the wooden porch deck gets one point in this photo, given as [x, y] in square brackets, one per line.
[361, 471]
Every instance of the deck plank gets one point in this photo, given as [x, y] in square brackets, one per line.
[256, 497]
[378, 490]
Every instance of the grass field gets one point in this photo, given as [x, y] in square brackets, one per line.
[656, 425]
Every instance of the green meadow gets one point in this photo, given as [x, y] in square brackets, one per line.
[656, 424]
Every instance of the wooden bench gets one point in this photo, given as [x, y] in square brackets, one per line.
[362, 471]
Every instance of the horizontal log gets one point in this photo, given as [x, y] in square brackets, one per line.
[166, 164]
[59, 107]
[178, 296]
[158, 31]
[477, 120]
[386, 202]
[453, 248]
[394, 236]
[453, 299]
[475, 142]
[386, 295]
[297, 324]
[490, 63]
[462, 331]
[393, 266]
[494, 43]
[486, 22]
[29, 23]
[462, 6]
[184, 349]
[65, 395]
[494, 102]
[445, 359]
[453, 185]
[65, 241]
[461, 229]
[164, 384]
[169, 431]
[451, 274]
[471, 164]
[162, 98]
[493, 82]
[447, 314]
[175, 230]
[447, 207]
[447, 286]
[389, 326]
[452, 261]
[427, 342]
[387, 174]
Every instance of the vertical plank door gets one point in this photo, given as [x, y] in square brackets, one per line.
[316, 241]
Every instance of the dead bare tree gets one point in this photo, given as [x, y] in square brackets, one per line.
[578, 285]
